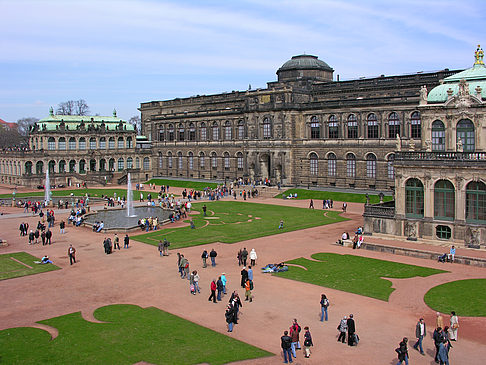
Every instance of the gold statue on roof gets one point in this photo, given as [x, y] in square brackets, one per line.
[478, 55]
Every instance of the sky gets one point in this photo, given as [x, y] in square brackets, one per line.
[118, 54]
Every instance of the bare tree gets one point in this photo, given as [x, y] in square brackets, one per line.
[24, 125]
[136, 122]
[10, 137]
[81, 107]
[65, 108]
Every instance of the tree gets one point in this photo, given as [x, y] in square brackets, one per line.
[136, 122]
[24, 125]
[11, 137]
[71, 107]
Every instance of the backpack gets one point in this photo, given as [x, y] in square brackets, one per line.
[326, 303]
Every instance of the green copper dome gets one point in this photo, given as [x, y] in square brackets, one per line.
[474, 76]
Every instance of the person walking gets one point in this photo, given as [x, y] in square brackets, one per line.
[161, 248]
[250, 273]
[324, 305]
[72, 254]
[213, 255]
[420, 333]
[248, 287]
[224, 281]
[351, 330]
[311, 204]
[213, 291]
[439, 321]
[402, 352]
[196, 282]
[244, 256]
[186, 269]
[219, 287]
[116, 241]
[454, 326]
[438, 339]
[443, 355]
[126, 241]
[229, 316]
[244, 276]
[295, 328]
[307, 342]
[48, 237]
[236, 303]
[204, 257]
[342, 328]
[286, 347]
[182, 265]
[165, 248]
[62, 226]
[253, 257]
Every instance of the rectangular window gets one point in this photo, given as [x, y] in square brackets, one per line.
[201, 161]
[203, 134]
[180, 162]
[331, 167]
[51, 144]
[416, 129]
[351, 168]
[72, 144]
[161, 134]
[333, 130]
[372, 129]
[192, 135]
[82, 144]
[241, 132]
[393, 128]
[169, 162]
[240, 163]
[111, 143]
[352, 129]
[121, 143]
[102, 144]
[191, 162]
[227, 133]
[267, 131]
[92, 144]
[226, 162]
[214, 162]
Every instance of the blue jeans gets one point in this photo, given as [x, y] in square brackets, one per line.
[323, 313]
[406, 361]
[213, 261]
[287, 355]
[219, 294]
[419, 344]
[292, 347]
[230, 327]
[196, 286]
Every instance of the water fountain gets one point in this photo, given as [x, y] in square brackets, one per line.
[47, 189]
[129, 197]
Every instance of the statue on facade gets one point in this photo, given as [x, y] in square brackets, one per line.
[411, 231]
[423, 95]
[472, 239]
[428, 145]
[459, 147]
[399, 143]
[411, 145]
[478, 55]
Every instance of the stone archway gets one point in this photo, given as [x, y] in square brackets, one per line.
[265, 166]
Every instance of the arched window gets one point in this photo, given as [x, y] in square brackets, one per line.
[444, 200]
[202, 161]
[121, 142]
[72, 143]
[52, 166]
[121, 164]
[227, 131]
[267, 128]
[62, 166]
[415, 125]
[372, 124]
[215, 129]
[352, 126]
[476, 202]
[111, 143]
[438, 136]
[92, 165]
[226, 160]
[181, 132]
[414, 198]
[465, 132]
[72, 166]
[51, 144]
[61, 144]
[371, 165]
[92, 143]
[28, 168]
[214, 161]
[82, 166]
[350, 165]
[39, 167]
[333, 127]
[146, 163]
[179, 160]
[137, 163]
[190, 157]
[203, 132]
[192, 132]
[102, 164]
[390, 168]
[313, 162]
[129, 163]
[239, 161]
[161, 133]
[82, 143]
[315, 127]
[241, 129]
[129, 142]
[169, 160]
[331, 165]
[393, 125]
[111, 164]
[170, 132]
[161, 160]
[102, 143]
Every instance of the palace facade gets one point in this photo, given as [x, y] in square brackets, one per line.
[77, 149]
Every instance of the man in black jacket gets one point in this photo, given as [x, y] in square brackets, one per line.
[286, 345]
[438, 339]
[351, 330]
[213, 255]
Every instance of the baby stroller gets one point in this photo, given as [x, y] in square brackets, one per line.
[443, 258]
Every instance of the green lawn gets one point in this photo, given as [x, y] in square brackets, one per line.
[197, 185]
[354, 274]
[132, 334]
[10, 268]
[335, 196]
[465, 297]
[82, 192]
[232, 221]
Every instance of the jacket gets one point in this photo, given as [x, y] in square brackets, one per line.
[213, 286]
[286, 342]
[417, 330]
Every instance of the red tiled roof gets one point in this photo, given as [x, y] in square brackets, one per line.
[10, 125]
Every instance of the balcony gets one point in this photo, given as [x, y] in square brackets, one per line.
[441, 159]
[381, 210]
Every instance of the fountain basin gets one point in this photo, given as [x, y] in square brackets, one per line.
[117, 220]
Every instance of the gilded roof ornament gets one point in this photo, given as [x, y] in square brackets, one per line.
[478, 55]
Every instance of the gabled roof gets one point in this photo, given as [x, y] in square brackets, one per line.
[10, 125]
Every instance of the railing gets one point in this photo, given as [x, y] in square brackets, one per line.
[440, 156]
[382, 210]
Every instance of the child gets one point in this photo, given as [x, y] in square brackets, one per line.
[280, 226]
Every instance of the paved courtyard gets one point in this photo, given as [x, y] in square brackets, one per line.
[139, 276]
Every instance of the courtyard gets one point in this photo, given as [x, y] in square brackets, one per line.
[103, 288]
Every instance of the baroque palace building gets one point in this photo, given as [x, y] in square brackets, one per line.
[78, 149]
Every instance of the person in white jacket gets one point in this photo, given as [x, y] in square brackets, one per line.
[253, 257]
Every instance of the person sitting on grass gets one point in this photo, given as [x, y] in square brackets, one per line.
[46, 260]
[280, 226]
